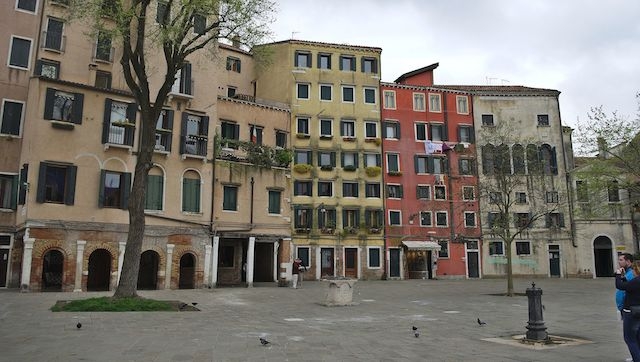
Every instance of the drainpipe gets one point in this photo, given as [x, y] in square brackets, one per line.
[452, 232]
[251, 207]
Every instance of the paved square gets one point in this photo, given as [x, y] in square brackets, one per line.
[299, 328]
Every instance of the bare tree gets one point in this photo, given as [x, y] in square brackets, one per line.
[183, 28]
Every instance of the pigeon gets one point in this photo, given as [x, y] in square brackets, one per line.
[194, 303]
[182, 305]
[481, 322]
[414, 328]
[79, 325]
[417, 334]
[263, 341]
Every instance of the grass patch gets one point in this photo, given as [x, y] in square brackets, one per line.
[109, 304]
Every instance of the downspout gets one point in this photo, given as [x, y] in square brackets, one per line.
[452, 232]
[251, 207]
[213, 185]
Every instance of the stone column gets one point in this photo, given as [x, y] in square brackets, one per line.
[276, 247]
[250, 260]
[121, 247]
[207, 265]
[214, 261]
[26, 262]
[79, 264]
[167, 270]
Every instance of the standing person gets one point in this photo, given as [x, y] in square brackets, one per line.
[630, 324]
[625, 261]
[297, 265]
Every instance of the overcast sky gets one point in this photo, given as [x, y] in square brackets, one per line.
[587, 49]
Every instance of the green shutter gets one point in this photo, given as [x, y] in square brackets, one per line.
[125, 190]
[42, 179]
[70, 187]
[14, 192]
[106, 121]
[101, 189]
[49, 102]
[78, 104]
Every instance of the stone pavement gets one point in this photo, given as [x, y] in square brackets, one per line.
[378, 328]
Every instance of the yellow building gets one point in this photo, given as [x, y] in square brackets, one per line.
[336, 203]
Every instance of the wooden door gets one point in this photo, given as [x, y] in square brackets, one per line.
[394, 263]
[351, 263]
[326, 262]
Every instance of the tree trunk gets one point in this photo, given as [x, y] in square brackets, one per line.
[509, 268]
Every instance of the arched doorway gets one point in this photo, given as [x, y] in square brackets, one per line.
[99, 277]
[603, 256]
[52, 265]
[187, 271]
[148, 273]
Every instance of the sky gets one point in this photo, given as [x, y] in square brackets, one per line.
[588, 50]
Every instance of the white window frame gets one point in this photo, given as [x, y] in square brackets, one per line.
[308, 125]
[429, 196]
[333, 187]
[463, 194]
[4, 100]
[28, 11]
[365, 129]
[386, 136]
[379, 257]
[400, 188]
[489, 247]
[320, 86]
[430, 219]
[439, 96]
[199, 212]
[426, 131]
[434, 192]
[366, 156]
[416, 96]
[353, 88]
[298, 91]
[345, 122]
[516, 247]
[320, 127]
[466, 102]
[364, 95]
[11, 48]
[475, 219]
[392, 96]
[389, 217]
[446, 213]
[387, 163]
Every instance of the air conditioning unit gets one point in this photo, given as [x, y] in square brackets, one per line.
[159, 148]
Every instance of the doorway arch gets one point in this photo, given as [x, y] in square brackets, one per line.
[52, 267]
[99, 278]
[148, 272]
[603, 256]
[187, 271]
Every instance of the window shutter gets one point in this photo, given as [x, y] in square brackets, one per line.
[38, 70]
[416, 159]
[430, 166]
[333, 159]
[342, 159]
[356, 160]
[362, 64]
[125, 188]
[460, 128]
[357, 212]
[378, 160]
[374, 67]
[205, 125]
[367, 218]
[14, 192]
[70, 187]
[169, 125]
[101, 189]
[445, 165]
[78, 104]
[318, 58]
[561, 217]
[48, 103]
[129, 132]
[42, 177]
[400, 192]
[472, 135]
[310, 157]
[397, 125]
[445, 132]
[236, 131]
[340, 61]
[106, 122]
[384, 129]
[23, 184]
[353, 64]
[554, 162]
[356, 190]
[430, 135]
[295, 59]
[183, 133]
[186, 79]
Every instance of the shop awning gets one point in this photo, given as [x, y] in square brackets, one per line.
[421, 245]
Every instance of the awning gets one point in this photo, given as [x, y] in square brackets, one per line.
[421, 245]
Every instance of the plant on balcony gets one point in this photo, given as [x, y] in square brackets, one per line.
[348, 139]
[349, 168]
[395, 173]
[326, 167]
[283, 157]
[459, 148]
[350, 230]
[373, 171]
[123, 123]
[374, 230]
[300, 230]
[302, 168]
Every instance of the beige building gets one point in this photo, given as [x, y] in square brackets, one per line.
[71, 227]
[333, 93]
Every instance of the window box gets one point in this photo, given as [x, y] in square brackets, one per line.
[62, 125]
[374, 230]
[124, 123]
[327, 230]
[348, 139]
[373, 171]
[326, 167]
[324, 137]
[349, 168]
[350, 230]
[395, 173]
[377, 141]
[302, 230]
[302, 168]
[460, 148]
[302, 136]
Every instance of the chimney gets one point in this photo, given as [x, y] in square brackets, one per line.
[235, 41]
[602, 148]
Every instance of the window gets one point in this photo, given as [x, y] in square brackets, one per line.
[370, 96]
[423, 192]
[326, 159]
[302, 188]
[547, 158]
[462, 104]
[469, 219]
[234, 64]
[274, 201]
[349, 160]
[393, 162]
[521, 197]
[373, 219]
[439, 192]
[63, 106]
[465, 166]
[438, 132]
[302, 124]
[324, 61]
[48, 68]
[348, 128]
[227, 257]
[20, 52]
[534, 166]
[440, 165]
[195, 131]
[200, 27]
[613, 191]
[325, 188]
[230, 198]
[28, 5]
[162, 13]
[154, 192]
[326, 128]
[421, 131]
[373, 258]
[350, 219]
[191, 192]
[303, 157]
[53, 39]
[164, 130]
[465, 134]
[441, 218]
[418, 102]
[425, 218]
[119, 122]
[468, 193]
[496, 220]
[543, 120]
[8, 191]
[348, 94]
[103, 79]
[582, 191]
[302, 217]
[184, 82]
[487, 120]
[326, 218]
[114, 189]
[229, 132]
[349, 189]
[389, 99]
[522, 220]
[281, 139]
[303, 254]
[326, 92]
[371, 160]
[302, 90]
[554, 220]
[56, 183]
[231, 91]
[103, 51]
[496, 248]
[551, 197]
[517, 154]
[11, 117]
[395, 218]
[434, 103]
[523, 248]
[348, 63]
[372, 190]
[391, 130]
[369, 65]
[495, 197]
[255, 134]
[444, 249]
[370, 130]
[394, 191]
[302, 59]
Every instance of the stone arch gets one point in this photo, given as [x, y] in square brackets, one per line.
[187, 271]
[123, 164]
[40, 249]
[90, 248]
[179, 251]
[146, 281]
[99, 270]
[603, 256]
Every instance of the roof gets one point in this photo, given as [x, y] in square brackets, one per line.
[412, 73]
[500, 90]
[421, 88]
[328, 45]
[421, 245]
[234, 49]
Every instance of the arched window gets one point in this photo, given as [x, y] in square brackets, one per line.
[533, 163]
[488, 152]
[503, 160]
[191, 192]
[517, 152]
[548, 160]
[155, 190]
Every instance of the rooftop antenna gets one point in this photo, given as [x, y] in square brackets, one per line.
[293, 33]
[504, 81]
[489, 80]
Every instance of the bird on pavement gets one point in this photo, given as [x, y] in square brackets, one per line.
[416, 334]
[414, 328]
[194, 303]
[182, 305]
[79, 325]
[481, 322]
[263, 341]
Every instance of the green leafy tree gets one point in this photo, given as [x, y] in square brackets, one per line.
[156, 38]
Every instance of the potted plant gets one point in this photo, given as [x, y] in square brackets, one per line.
[302, 168]
[373, 171]
[349, 168]
[395, 173]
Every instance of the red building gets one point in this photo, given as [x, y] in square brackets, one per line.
[432, 211]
